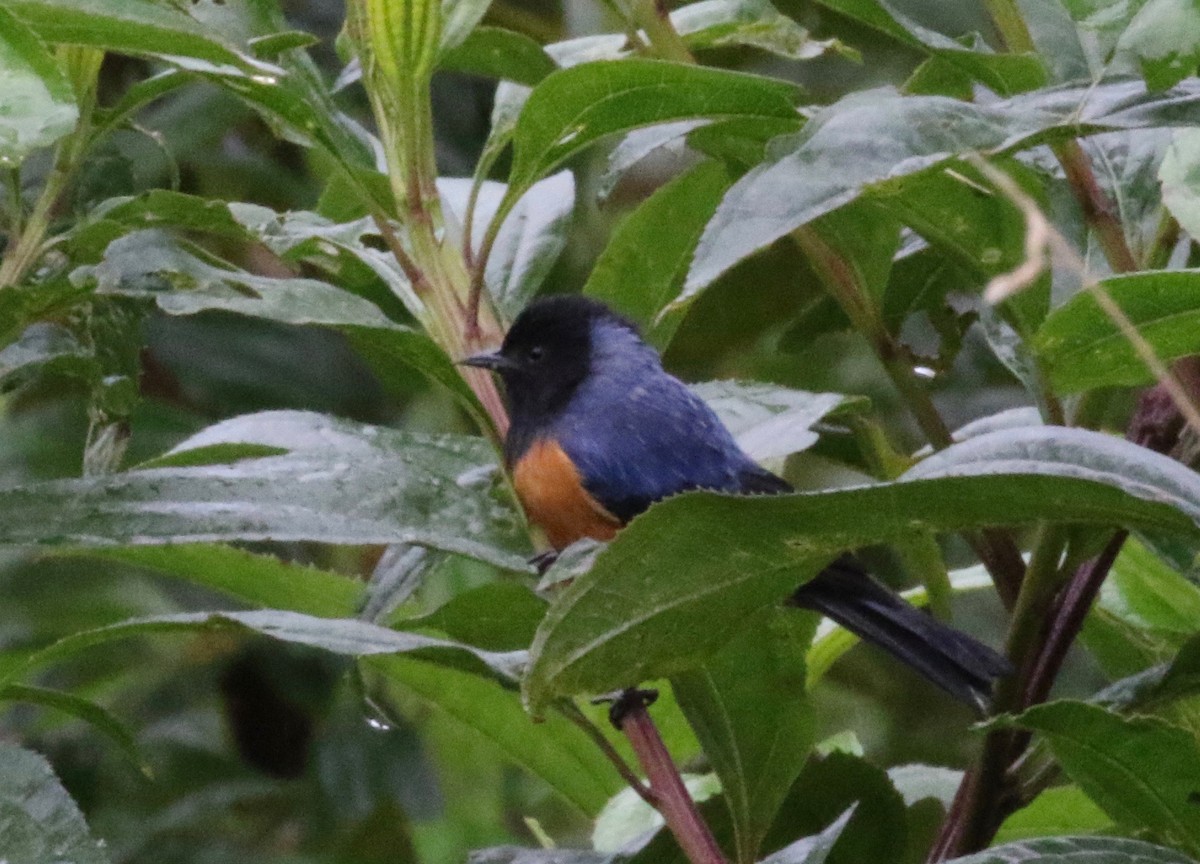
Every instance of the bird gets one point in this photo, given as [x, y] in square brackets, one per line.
[599, 431]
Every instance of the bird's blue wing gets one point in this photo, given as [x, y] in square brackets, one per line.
[638, 441]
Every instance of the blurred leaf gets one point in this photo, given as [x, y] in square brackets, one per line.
[340, 482]
[89, 712]
[573, 108]
[498, 53]
[871, 137]
[46, 348]
[642, 267]
[656, 602]
[1164, 36]
[1081, 348]
[1059, 810]
[1142, 771]
[499, 616]
[261, 580]
[460, 18]
[769, 421]
[521, 855]
[532, 236]
[1149, 596]
[1005, 73]
[919, 782]
[748, 707]
[344, 636]
[753, 23]
[37, 105]
[555, 750]
[138, 27]
[397, 574]
[812, 850]
[39, 822]
[1076, 850]
[1180, 176]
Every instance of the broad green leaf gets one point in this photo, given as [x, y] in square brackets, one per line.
[636, 146]
[339, 482]
[768, 421]
[137, 27]
[39, 822]
[643, 266]
[1081, 348]
[656, 602]
[1059, 810]
[261, 580]
[1142, 771]
[871, 137]
[575, 107]
[1149, 596]
[556, 750]
[344, 636]
[498, 53]
[1076, 850]
[748, 707]
[920, 782]
[460, 18]
[89, 712]
[752, 23]
[37, 105]
[530, 240]
[1004, 72]
[499, 616]
[1164, 36]
[1180, 176]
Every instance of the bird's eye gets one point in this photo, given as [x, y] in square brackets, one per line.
[535, 353]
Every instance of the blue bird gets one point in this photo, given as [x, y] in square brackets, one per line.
[600, 432]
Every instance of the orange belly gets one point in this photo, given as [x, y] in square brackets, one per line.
[552, 493]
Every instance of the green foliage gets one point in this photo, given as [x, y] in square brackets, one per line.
[238, 270]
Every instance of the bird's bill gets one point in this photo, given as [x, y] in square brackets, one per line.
[494, 361]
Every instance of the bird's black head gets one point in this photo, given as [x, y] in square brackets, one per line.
[547, 353]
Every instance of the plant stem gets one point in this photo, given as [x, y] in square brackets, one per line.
[1010, 24]
[1098, 210]
[14, 198]
[1166, 237]
[571, 711]
[630, 715]
[654, 17]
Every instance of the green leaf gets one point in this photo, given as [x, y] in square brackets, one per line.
[748, 707]
[1081, 348]
[812, 850]
[99, 718]
[1149, 596]
[1142, 771]
[340, 482]
[1180, 176]
[1164, 36]
[1076, 850]
[499, 616]
[573, 108]
[1060, 810]
[137, 27]
[37, 104]
[497, 53]
[39, 822]
[460, 18]
[656, 602]
[917, 783]
[869, 138]
[344, 636]
[752, 23]
[769, 421]
[46, 348]
[261, 580]
[556, 750]
[643, 266]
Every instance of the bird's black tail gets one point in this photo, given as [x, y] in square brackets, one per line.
[962, 666]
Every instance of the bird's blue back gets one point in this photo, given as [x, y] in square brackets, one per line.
[637, 434]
